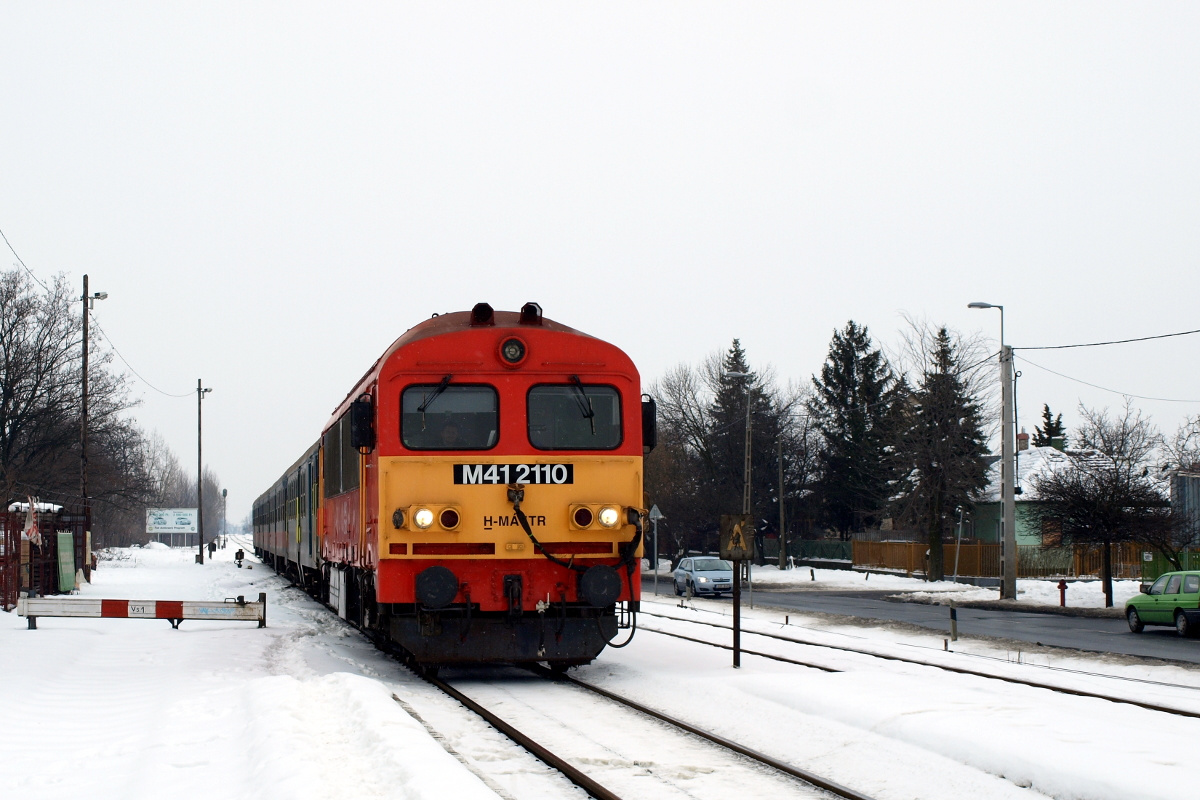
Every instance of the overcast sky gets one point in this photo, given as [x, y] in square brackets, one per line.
[273, 192]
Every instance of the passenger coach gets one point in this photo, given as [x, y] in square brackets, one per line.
[477, 496]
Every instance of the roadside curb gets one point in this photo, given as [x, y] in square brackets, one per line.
[1015, 605]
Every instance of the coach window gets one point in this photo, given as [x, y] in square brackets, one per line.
[449, 417]
[574, 416]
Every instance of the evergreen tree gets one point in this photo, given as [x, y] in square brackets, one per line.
[850, 408]
[1051, 428]
[942, 450]
[728, 442]
[697, 472]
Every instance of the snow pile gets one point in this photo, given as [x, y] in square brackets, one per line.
[1080, 594]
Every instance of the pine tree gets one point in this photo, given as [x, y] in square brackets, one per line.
[850, 408]
[942, 450]
[1051, 428]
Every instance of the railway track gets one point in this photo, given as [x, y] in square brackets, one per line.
[901, 659]
[652, 776]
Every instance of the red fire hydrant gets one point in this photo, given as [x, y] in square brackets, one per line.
[1062, 593]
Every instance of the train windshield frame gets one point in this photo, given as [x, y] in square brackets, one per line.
[574, 416]
[456, 416]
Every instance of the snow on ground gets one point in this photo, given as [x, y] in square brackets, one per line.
[305, 708]
[1080, 594]
[105, 708]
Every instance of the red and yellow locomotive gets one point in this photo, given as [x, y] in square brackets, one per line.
[477, 497]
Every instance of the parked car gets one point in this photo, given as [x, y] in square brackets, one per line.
[704, 575]
[1174, 599]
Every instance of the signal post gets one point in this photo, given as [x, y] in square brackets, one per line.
[737, 545]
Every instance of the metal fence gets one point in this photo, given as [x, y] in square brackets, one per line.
[24, 566]
[983, 560]
[821, 550]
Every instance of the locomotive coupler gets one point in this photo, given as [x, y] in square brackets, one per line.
[512, 592]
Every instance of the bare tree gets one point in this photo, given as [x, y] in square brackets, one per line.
[40, 398]
[1104, 494]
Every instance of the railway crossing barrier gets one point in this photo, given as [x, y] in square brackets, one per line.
[173, 611]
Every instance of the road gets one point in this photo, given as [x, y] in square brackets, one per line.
[1083, 633]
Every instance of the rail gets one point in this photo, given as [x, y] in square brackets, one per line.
[945, 668]
[728, 744]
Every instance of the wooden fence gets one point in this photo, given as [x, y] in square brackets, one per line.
[983, 560]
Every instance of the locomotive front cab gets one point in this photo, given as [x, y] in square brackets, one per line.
[509, 477]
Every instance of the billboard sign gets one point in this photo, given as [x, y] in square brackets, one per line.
[170, 520]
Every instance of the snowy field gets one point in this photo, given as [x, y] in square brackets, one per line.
[307, 709]
[1080, 594]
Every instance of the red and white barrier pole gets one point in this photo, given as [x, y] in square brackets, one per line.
[174, 611]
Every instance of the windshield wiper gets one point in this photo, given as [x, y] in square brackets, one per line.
[429, 400]
[585, 403]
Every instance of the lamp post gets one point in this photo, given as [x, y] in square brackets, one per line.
[224, 507]
[88, 302]
[200, 392]
[1008, 548]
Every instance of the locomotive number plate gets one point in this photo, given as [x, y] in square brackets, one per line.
[514, 473]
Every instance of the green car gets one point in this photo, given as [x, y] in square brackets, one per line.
[1174, 599]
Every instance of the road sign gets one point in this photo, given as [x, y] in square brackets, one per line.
[737, 537]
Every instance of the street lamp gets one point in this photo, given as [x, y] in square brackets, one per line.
[1008, 548]
[200, 392]
[88, 303]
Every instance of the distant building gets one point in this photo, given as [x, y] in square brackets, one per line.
[988, 511]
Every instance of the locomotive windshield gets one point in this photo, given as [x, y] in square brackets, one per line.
[574, 416]
[449, 417]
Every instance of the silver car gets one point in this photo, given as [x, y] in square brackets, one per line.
[703, 575]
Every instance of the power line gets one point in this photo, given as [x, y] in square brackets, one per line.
[1105, 388]
[130, 366]
[22, 263]
[1103, 344]
[977, 363]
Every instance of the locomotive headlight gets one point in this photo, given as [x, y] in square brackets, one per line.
[608, 516]
[423, 518]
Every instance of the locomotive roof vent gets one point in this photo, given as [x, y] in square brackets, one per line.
[531, 314]
[482, 314]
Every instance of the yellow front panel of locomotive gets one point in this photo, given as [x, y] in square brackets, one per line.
[409, 484]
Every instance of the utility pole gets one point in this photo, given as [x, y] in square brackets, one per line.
[782, 534]
[1008, 505]
[88, 302]
[746, 492]
[83, 464]
[200, 392]
[1008, 499]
